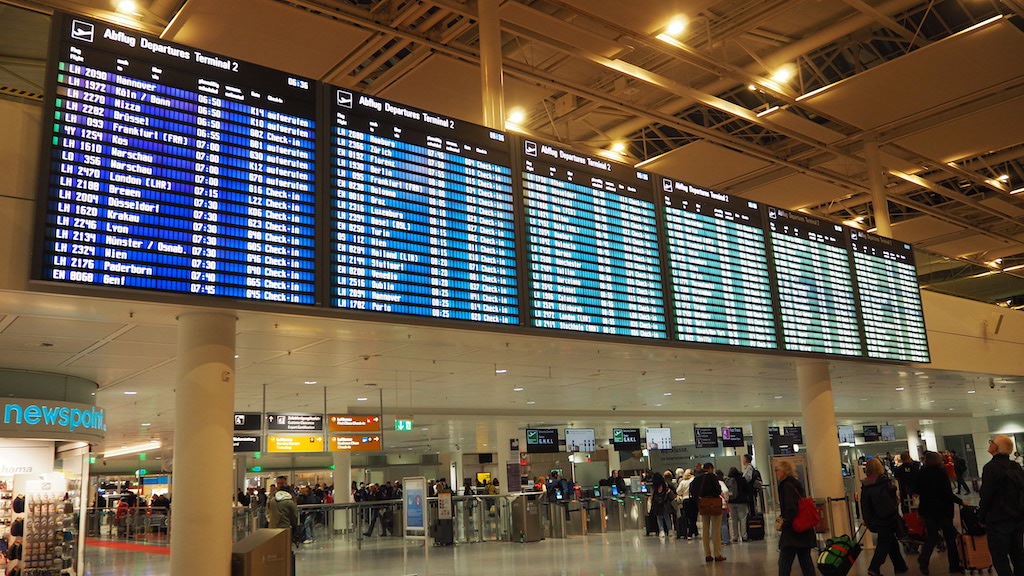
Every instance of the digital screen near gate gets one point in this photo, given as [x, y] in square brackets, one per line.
[422, 213]
[721, 288]
[815, 283]
[592, 244]
[174, 169]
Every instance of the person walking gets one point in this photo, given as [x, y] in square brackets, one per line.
[793, 545]
[906, 478]
[959, 468]
[1000, 510]
[661, 503]
[936, 509]
[739, 504]
[282, 511]
[880, 511]
[709, 494]
[687, 506]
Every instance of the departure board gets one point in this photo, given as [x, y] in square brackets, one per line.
[422, 213]
[722, 292]
[890, 301]
[176, 169]
[815, 284]
[592, 244]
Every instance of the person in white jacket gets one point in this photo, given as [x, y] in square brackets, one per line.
[687, 506]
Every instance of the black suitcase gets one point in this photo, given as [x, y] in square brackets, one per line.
[755, 527]
[651, 525]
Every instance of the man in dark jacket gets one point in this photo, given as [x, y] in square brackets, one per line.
[1005, 528]
[936, 510]
[960, 468]
[906, 478]
[880, 510]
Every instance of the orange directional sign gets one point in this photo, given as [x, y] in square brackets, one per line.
[349, 423]
[278, 444]
[367, 443]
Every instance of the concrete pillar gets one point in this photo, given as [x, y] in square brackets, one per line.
[928, 437]
[879, 201]
[819, 421]
[342, 477]
[762, 447]
[239, 464]
[981, 435]
[204, 403]
[915, 444]
[491, 66]
[451, 468]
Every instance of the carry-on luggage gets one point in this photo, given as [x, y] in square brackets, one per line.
[840, 553]
[973, 543]
[755, 527]
[916, 532]
[651, 525]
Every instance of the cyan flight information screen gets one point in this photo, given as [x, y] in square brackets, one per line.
[174, 169]
[171, 170]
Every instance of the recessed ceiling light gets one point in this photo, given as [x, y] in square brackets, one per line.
[783, 74]
[680, 379]
[130, 393]
[310, 382]
[516, 116]
[531, 402]
[146, 424]
[757, 405]
[778, 397]
[676, 27]
[668, 393]
[517, 389]
[950, 409]
[931, 401]
[126, 7]
[659, 405]
[500, 371]
[863, 399]
[1003, 177]
[618, 147]
[361, 399]
[972, 391]
[236, 355]
[900, 388]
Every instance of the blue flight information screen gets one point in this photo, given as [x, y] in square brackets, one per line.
[718, 261]
[179, 170]
[422, 213]
[890, 301]
[815, 283]
[592, 244]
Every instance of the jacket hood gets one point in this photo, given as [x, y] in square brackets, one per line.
[282, 495]
[875, 480]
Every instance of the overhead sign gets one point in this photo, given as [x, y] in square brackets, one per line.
[368, 443]
[732, 436]
[626, 438]
[403, 425]
[796, 433]
[705, 437]
[294, 444]
[580, 440]
[51, 419]
[247, 443]
[542, 440]
[351, 423]
[659, 438]
[295, 422]
[248, 421]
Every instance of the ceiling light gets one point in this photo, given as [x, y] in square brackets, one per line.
[676, 27]
[972, 391]
[767, 111]
[130, 393]
[236, 355]
[863, 399]
[310, 382]
[127, 7]
[517, 389]
[361, 399]
[659, 405]
[900, 389]
[618, 147]
[1017, 191]
[1012, 268]
[668, 393]
[1004, 178]
[751, 87]
[680, 379]
[500, 371]
[155, 444]
[950, 409]
[516, 116]
[931, 401]
[531, 402]
[778, 397]
[146, 424]
[783, 74]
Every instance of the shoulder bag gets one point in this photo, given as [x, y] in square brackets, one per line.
[709, 505]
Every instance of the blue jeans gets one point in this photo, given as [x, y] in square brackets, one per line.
[788, 554]
[1006, 544]
[664, 522]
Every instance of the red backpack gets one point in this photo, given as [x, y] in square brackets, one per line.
[807, 516]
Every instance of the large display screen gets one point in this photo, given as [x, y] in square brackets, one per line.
[847, 435]
[626, 438]
[716, 250]
[659, 438]
[815, 283]
[175, 169]
[871, 433]
[542, 440]
[592, 244]
[888, 432]
[171, 169]
[580, 440]
[422, 213]
[890, 301]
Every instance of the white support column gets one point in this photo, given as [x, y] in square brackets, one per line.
[819, 420]
[342, 477]
[914, 442]
[762, 448]
[981, 435]
[879, 201]
[204, 403]
[491, 66]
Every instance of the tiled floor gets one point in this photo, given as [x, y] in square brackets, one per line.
[612, 554]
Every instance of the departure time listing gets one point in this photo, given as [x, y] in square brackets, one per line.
[178, 170]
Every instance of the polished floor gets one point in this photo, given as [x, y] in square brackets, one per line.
[612, 554]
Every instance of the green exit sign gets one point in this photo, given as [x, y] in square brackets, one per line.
[403, 425]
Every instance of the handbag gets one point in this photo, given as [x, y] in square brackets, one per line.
[709, 505]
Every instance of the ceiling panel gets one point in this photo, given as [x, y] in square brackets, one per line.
[268, 33]
[922, 228]
[953, 68]
[704, 164]
[459, 95]
[44, 327]
[796, 191]
[975, 244]
[971, 135]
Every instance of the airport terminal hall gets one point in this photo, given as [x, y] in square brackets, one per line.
[511, 287]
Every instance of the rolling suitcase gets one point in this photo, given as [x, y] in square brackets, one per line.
[973, 543]
[651, 525]
[916, 533]
[840, 554]
[755, 527]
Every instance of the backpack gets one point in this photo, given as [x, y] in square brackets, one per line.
[742, 489]
[1015, 479]
[755, 479]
